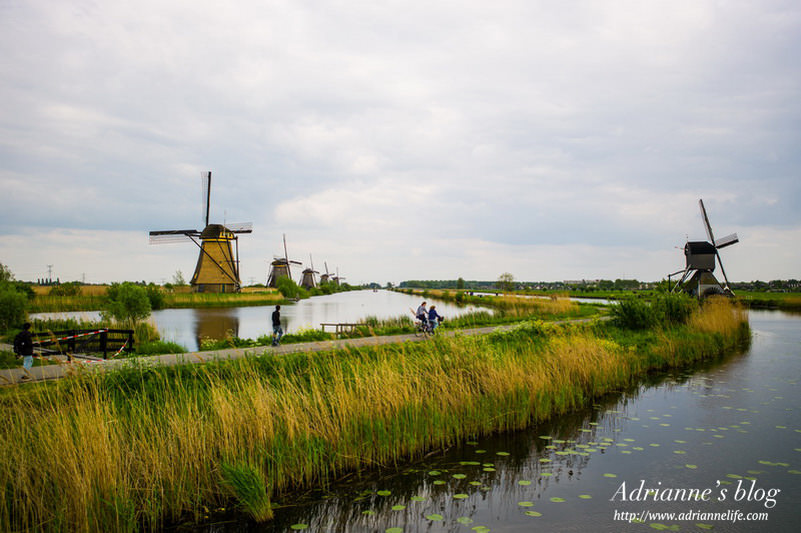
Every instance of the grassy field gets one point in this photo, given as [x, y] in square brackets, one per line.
[146, 447]
[93, 298]
[787, 301]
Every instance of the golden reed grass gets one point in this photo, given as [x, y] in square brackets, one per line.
[122, 451]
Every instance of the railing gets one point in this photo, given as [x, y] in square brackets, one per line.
[71, 341]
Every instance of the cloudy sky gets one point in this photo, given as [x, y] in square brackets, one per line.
[401, 139]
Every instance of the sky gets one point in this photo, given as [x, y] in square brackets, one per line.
[401, 140]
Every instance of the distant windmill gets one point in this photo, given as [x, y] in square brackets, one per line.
[697, 278]
[325, 278]
[217, 268]
[280, 268]
[336, 279]
[308, 281]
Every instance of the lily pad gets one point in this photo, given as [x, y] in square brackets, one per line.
[459, 476]
[384, 492]
[533, 513]
[557, 500]
[465, 520]
[394, 530]
[525, 504]
[434, 517]
[460, 496]
[417, 499]
[524, 482]
[585, 496]
[298, 527]
[398, 507]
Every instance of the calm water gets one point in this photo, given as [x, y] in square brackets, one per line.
[724, 425]
[187, 326]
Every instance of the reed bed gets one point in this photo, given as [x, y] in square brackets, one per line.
[147, 446]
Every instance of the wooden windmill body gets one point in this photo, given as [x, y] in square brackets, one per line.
[701, 257]
[280, 267]
[308, 281]
[217, 268]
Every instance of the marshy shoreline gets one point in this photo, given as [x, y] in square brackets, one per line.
[146, 447]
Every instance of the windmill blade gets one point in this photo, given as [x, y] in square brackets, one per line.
[172, 236]
[728, 240]
[295, 262]
[723, 271]
[326, 268]
[707, 226]
[176, 232]
[240, 227]
[205, 181]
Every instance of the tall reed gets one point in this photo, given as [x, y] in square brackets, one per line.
[146, 446]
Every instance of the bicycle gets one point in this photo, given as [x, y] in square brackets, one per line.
[422, 329]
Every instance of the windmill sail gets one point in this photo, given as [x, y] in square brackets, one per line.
[217, 268]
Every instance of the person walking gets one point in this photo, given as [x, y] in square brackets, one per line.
[23, 345]
[278, 331]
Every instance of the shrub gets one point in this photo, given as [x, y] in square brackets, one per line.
[674, 308]
[127, 302]
[290, 289]
[71, 288]
[13, 306]
[633, 314]
[155, 296]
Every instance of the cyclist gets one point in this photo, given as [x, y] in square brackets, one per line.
[422, 314]
[434, 318]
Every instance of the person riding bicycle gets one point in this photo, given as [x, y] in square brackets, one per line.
[434, 318]
[422, 313]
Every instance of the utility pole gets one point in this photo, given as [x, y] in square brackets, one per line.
[49, 274]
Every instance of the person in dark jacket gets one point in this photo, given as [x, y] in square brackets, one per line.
[23, 345]
[278, 331]
[433, 317]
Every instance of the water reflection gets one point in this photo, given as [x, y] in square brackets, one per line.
[722, 421]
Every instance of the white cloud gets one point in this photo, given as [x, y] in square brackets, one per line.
[580, 131]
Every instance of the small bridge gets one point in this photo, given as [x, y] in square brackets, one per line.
[85, 341]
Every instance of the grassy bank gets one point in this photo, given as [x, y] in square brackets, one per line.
[93, 298]
[786, 301]
[142, 447]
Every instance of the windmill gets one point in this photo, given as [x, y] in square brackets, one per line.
[697, 278]
[217, 268]
[336, 279]
[280, 268]
[308, 282]
[325, 278]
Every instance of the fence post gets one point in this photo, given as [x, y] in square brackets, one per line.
[71, 341]
[104, 343]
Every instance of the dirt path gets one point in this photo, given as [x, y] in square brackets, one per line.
[14, 376]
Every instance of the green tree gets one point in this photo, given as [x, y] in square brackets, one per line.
[290, 289]
[460, 283]
[13, 300]
[127, 302]
[506, 282]
[13, 306]
[5, 273]
[178, 278]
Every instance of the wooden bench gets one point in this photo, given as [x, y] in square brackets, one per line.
[340, 327]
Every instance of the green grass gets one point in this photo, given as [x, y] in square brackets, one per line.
[788, 301]
[146, 446]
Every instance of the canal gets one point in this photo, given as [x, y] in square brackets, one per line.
[719, 444]
[188, 327]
